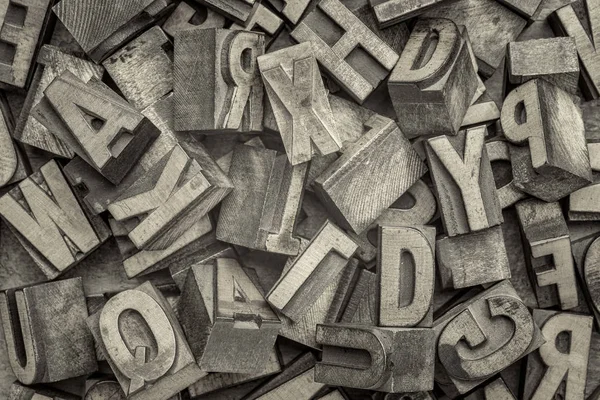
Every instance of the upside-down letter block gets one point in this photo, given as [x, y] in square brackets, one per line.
[548, 244]
[45, 332]
[554, 60]
[144, 344]
[347, 49]
[299, 102]
[104, 130]
[556, 162]
[49, 222]
[406, 274]
[431, 95]
[383, 359]
[391, 12]
[51, 63]
[463, 179]
[261, 211]
[311, 272]
[560, 366]
[565, 21]
[482, 336]
[382, 158]
[220, 308]
[171, 197]
[216, 82]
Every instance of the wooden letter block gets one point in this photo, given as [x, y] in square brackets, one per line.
[220, 308]
[261, 211]
[49, 222]
[262, 20]
[143, 70]
[472, 259]
[11, 162]
[299, 102]
[463, 179]
[526, 8]
[560, 366]
[508, 194]
[495, 390]
[557, 162]
[20, 392]
[292, 10]
[483, 336]
[164, 199]
[346, 48]
[346, 186]
[565, 21]
[432, 97]
[238, 10]
[551, 261]
[186, 16]
[321, 261]
[554, 60]
[105, 131]
[144, 344]
[223, 91]
[406, 273]
[45, 332]
[591, 274]
[383, 359]
[391, 12]
[583, 205]
[22, 25]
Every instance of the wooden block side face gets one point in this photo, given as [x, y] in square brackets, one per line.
[508, 194]
[406, 275]
[49, 221]
[22, 25]
[490, 344]
[560, 366]
[592, 273]
[394, 11]
[138, 325]
[359, 72]
[51, 326]
[292, 10]
[182, 17]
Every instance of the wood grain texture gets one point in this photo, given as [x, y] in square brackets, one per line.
[223, 92]
[583, 205]
[359, 73]
[432, 97]
[151, 329]
[52, 62]
[361, 306]
[391, 12]
[21, 37]
[565, 22]
[52, 313]
[491, 27]
[386, 157]
[9, 160]
[188, 15]
[464, 183]
[526, 8]
[143, 70]
[299, 103]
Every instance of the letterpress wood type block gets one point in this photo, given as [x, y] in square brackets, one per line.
[526, 8]
[490, 24]
[472, 259]
[224, 92]
[390, 12]
[463, 179]
[192, 16]
[482, 336]
[51, 63]
[262, 209]
[262, 20]
[560, 366]
[554, 60]
[361, 306]
[12, 168]
[291, 10]
[551, 263]
[100, 30]
[508, 194]
[303, 386]
[20, 392]
[22, 26]
[104, 390]
[299, 102]
[47, 219]
[144, 344]
[143, 70]
[173, 195]
[382, 359]
[45, 332]
[483, 111]
[431, 96]
[406, 273]
[495, 390]
[221, 308]
[312, 271]
[591, 274]
[107, 132]
[565, 22]
[583, 205]
[239, 11]
[347, 190]
[557, 162]
[351, 53]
